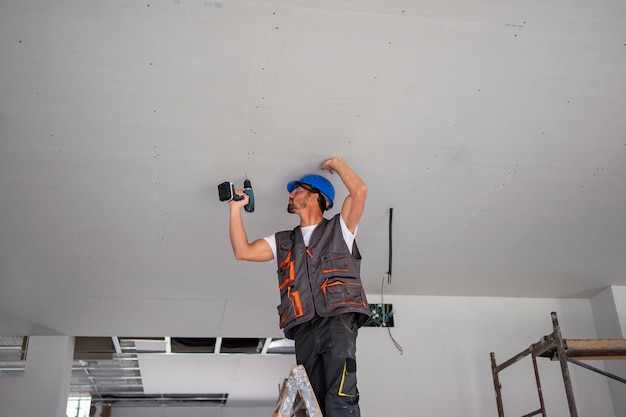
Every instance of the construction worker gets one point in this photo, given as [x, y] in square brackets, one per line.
[322, 298]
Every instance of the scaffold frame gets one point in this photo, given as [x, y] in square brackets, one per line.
[555, 347]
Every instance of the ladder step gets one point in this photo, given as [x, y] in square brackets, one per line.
[534, 413]
[296, 396]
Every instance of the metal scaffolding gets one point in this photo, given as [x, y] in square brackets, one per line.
[553, 346]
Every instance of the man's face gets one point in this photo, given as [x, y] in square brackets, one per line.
[299, 198]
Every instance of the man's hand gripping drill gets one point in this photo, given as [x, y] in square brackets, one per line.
[241, 198]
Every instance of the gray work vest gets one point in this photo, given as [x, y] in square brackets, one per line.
[323, 278]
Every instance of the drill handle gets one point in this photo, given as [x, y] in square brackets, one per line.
[247, 188]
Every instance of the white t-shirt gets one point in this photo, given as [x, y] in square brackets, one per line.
[307, 231]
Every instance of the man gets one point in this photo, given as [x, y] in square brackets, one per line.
[322, 298]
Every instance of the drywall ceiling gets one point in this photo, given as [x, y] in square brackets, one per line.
[495, 131]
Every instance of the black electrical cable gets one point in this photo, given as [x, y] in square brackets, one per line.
[390, 245]
[386, 314]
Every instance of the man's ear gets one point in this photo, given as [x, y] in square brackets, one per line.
[320, 202]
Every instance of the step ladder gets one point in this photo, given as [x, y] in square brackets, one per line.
[296, 396]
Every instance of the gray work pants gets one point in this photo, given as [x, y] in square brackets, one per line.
[326, 347]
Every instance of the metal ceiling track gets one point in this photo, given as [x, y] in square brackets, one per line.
[116, 380]
[12, 354]
[108, 375]
[164, 400]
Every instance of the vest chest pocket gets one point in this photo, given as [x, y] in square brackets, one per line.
[343, 293]
[334, 264]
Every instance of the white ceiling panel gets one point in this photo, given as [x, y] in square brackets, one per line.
[495, 131]
[250, 380]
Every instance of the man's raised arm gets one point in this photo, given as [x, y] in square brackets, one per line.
[354, 204]
[259, 250]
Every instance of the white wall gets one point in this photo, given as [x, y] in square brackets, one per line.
[609, 311]
[445, 368]
[619, 298]
[43, 388]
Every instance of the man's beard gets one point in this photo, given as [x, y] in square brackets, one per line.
[291, 207]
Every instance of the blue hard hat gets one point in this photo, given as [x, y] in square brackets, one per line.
[320, 184]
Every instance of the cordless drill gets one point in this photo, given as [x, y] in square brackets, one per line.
[226, 191]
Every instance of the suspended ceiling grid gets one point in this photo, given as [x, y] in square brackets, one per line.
[127, 371]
